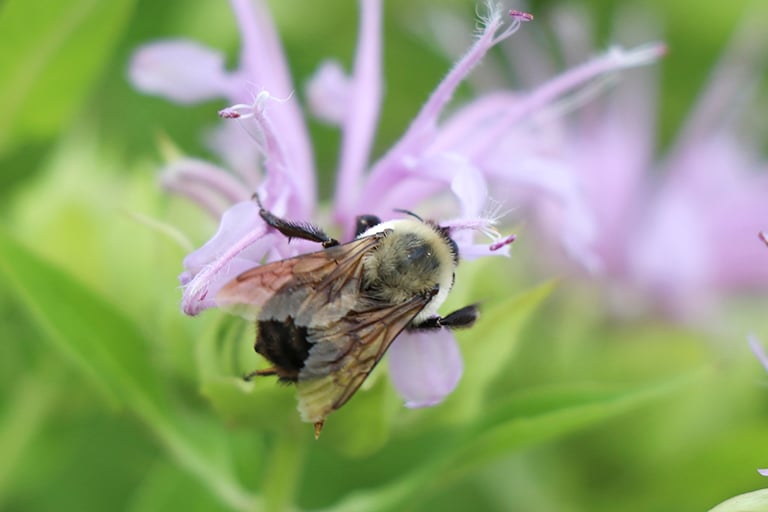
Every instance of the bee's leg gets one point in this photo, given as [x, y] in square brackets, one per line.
[259, 373]
[460, 318]
[293, 229]
[365, 222]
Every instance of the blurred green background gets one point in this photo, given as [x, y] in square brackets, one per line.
[111, 398]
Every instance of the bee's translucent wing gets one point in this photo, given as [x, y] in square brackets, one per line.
[348, 332]
[344, 353]
[329, 272]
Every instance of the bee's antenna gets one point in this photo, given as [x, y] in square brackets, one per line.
[408, 212]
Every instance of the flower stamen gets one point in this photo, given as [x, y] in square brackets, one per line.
[492, 21]
[255, 108]
[520, 15]
[501, 243]
[518, 18]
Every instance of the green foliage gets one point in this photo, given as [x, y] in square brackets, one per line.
[110, 350]
[104, 343]
[51, 54]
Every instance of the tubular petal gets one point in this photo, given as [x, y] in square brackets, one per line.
[422, 129]
[181, 71]
[235, 225]
[425, 366]
[359, 123]
[263, 66]
[204, 174]
[327, 92]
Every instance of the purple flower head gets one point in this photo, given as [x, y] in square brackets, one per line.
[527, 128]
[445, 167]
[678, 232]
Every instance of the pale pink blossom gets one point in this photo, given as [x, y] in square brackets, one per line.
[677, 232]
[447, 167]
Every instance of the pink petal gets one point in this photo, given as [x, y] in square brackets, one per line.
[466, 182]
[235, 147]
[468, 126]
[199, 173]
[328, 92]
[410, 185]
[724, 182]
[262, 60]
[425, 366]
[611, 158]
[763, 472]
[558, 198]
[240, 243]
[362, 113]
[280, 177]
[436, 173]
[263, 67]
[426, 120]
[423, 128]
[181, 71]
[235, 224]
[546, 95]
[669, 256]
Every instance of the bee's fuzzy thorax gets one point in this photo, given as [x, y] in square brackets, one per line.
[414, 257]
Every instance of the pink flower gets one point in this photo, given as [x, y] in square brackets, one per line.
[678, 232]
[452, 162]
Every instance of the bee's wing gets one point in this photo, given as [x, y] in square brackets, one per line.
[345, 352]
[328, 272]
[321, 291]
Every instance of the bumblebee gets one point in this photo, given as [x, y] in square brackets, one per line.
[326, 318]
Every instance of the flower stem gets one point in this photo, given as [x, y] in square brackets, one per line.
[284, 471]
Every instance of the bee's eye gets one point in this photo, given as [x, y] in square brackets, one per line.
[418, 252]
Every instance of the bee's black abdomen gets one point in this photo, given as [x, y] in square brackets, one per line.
[285, 345]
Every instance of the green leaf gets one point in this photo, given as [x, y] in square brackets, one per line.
[23, 416]
[375, 407]
[116, 356]
[167, 488]
[534, 416]
[530, 417]
[103, 342]
[261, 403]
[489, 347]
[51, 53]
[756, 501]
